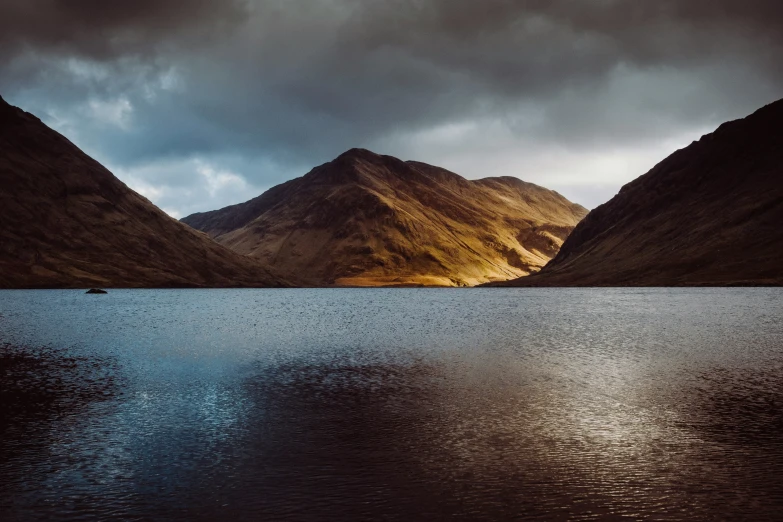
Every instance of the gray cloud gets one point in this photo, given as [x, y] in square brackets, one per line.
[579, 96]
[105, 30]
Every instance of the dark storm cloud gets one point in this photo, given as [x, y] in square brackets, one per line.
[105, 29]
[279, 85]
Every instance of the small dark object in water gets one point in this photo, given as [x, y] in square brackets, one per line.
[96, 291]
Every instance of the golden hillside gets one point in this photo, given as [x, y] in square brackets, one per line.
[370, 220]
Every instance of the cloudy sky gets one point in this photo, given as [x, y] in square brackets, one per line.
[198, 104]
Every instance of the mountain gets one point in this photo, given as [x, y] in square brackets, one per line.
[66, 221]
[710, 214]
[370, 220]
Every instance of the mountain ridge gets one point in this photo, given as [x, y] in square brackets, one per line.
[709, 214]
[67, 222]
[383, 221]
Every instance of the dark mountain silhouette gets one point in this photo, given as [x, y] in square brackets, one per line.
[710, 214]
[66, 221]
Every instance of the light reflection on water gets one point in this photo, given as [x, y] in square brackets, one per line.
[396, 404]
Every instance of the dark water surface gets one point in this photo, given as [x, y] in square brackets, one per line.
[405, 404]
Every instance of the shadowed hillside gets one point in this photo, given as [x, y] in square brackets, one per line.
[709, 214]
[66, 221]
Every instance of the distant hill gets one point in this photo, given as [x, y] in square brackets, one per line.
[66, 221]
[370, 220]
[709, 214]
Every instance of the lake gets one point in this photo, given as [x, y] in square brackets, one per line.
[392, 404]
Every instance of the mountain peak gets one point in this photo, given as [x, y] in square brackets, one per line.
[352, 165]
[68, 222]
[366, 219]
[358, 154]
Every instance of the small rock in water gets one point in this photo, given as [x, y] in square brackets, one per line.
[96, 291]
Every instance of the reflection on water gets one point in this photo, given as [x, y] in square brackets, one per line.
[40, 387]
[392, 404]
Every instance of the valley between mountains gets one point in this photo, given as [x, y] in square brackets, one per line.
[710, 214]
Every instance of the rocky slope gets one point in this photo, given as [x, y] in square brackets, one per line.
[710, 214]
[370, 220]
[66, 221]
